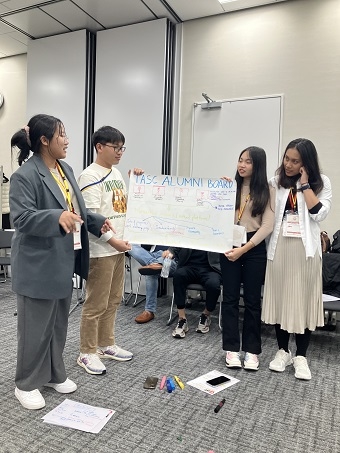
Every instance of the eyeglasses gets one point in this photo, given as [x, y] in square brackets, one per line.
[116, 148]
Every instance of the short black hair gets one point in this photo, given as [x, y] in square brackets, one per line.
[107, 134]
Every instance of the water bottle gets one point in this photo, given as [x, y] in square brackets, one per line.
[166, 266]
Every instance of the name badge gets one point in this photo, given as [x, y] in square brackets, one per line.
[76, 237]
[239, 235]
[291, 226]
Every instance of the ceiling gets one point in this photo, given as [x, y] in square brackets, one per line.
[23, 20]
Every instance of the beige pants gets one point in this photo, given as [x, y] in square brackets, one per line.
[104, 290]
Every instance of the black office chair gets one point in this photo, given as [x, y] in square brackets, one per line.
[5, 244]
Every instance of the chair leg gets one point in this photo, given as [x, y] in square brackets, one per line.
[171, 318]
[128, 268]
[137, 302]
[5, 274]
[80, 291]
[137, 289]
[220, 311]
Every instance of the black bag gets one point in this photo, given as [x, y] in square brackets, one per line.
[335, 247]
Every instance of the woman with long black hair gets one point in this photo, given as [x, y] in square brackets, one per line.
[247, 264]
[293, 291]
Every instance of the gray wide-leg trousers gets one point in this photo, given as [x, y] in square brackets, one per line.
[42, 330]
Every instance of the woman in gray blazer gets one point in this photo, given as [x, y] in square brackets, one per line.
[50, 243]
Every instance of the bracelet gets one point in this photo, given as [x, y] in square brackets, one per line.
[305, 186]
[252, 243]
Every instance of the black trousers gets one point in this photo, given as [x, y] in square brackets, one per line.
[207, 277]
[249, 269]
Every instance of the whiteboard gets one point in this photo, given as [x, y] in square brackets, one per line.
[219, 135]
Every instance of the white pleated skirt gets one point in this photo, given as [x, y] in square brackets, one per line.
[293, 288]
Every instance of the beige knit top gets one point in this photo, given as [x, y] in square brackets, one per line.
[262, 224]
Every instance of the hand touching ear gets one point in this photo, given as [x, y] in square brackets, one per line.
[304, 176]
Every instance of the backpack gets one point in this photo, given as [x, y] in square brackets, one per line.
[335, 246]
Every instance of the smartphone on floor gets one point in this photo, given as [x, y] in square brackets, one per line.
[218, 381]
[150, 382]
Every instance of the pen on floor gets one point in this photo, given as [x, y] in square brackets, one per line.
[219, 406]
[161, 386]
[179, 382]
[108, 414]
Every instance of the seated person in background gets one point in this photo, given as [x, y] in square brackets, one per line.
[195, 266]
[152, 266]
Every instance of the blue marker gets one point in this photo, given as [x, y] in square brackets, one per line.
[170, 385]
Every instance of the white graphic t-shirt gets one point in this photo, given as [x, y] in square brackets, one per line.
[108, 198]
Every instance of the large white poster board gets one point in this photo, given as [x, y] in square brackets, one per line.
[181, 212]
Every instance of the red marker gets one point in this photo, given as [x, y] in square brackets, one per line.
[162, 384]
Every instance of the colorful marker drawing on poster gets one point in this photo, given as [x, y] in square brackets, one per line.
[181, 211]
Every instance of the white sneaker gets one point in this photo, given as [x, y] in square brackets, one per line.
[281, 360]
[251, 361]
[181, 329]
[114, 352]
[30, 400]
[232, 359]
[64, 387]
[91, 363]
[302, 370]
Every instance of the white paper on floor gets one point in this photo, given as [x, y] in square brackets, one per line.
[72, 414]
[201, 382]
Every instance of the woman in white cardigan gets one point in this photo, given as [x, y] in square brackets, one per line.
[293, 287]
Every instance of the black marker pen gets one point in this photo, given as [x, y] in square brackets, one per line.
[218, 407]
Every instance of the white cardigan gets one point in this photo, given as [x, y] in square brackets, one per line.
[309, 223]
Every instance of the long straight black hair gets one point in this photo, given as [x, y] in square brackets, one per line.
[310, 161]
[259, 188]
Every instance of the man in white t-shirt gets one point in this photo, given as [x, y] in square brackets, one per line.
[104, 192]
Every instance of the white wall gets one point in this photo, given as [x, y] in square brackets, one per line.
[13, 112]
[56, 74]
[291, 48]
[130, 82]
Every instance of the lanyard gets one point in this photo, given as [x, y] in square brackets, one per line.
[292, 199]
[64, 187]
[242, 208]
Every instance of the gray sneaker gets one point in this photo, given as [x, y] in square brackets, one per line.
[114, 352]
[181, 329]
[203, 324]
[91, 363]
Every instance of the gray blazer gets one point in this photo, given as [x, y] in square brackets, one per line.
[43, 259]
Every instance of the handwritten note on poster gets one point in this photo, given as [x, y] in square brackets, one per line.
[181, 211]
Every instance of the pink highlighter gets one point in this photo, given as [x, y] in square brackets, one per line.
[161, 386]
